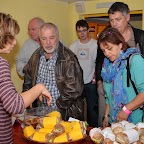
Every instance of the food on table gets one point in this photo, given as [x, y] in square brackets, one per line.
[61, 138]
[140, 127]
[122, 138]
[54, 114]
[32, 121]
[96, 135]
[130, 126]
[123, 122]
[45, 130]
[75, 135]
[39, 137]
[121, 132]
[28, 131]
[51, 128]
[127, 136]
[141, 138]
[67, 126]
[117, 127]
[108, 135]
[43, 135]
[109, 141]
[49, 122]
[58, 130]
[78, 130]
[79, 125]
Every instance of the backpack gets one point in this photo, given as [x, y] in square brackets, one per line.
[129, 74]
[130, 80]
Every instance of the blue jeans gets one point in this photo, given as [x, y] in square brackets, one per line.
[90, 92]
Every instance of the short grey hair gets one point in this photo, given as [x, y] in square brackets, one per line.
[49, 25]
[119, 7]
[39, 21]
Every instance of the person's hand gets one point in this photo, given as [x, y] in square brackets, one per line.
[106, 122]
[122, 116]
[46, 93]
[93, 81]
[40, 97]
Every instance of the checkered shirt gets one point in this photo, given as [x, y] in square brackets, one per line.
[46, 75]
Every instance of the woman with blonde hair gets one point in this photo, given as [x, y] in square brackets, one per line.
[10, 101]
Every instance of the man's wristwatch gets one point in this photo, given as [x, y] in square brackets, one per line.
[106, 116]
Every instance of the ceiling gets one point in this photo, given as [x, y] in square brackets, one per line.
[72, 1]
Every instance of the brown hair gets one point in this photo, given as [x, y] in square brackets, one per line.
[112, 35]
[8, 29]
[82, 23]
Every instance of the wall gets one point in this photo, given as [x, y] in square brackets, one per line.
[91, 9]
[136, 24]
[23, 11]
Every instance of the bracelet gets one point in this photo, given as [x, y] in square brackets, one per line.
[106, 115]
[93, 80]
[126, 110]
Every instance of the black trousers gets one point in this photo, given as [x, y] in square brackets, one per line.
[90, 93]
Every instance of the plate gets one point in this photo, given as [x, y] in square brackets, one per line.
[56, 143]
[35, 114]
[41, 112]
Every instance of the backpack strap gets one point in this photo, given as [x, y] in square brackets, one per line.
[132, 82]
[129, 75]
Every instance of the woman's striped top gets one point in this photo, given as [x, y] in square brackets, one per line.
[10, 103]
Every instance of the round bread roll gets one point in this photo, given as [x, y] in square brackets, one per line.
[132, 134]
[127, 136]
[130, 126]
[117, 127]
[107, 141]
[123, 122]
[141, 138]
[108, 134]
[141, 131]
[122, 138]
[92, 131]
[58, 130]
[96, 135]
[140, 127]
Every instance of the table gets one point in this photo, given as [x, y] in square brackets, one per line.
[19, 139]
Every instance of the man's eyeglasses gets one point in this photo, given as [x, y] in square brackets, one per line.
[81, 31]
